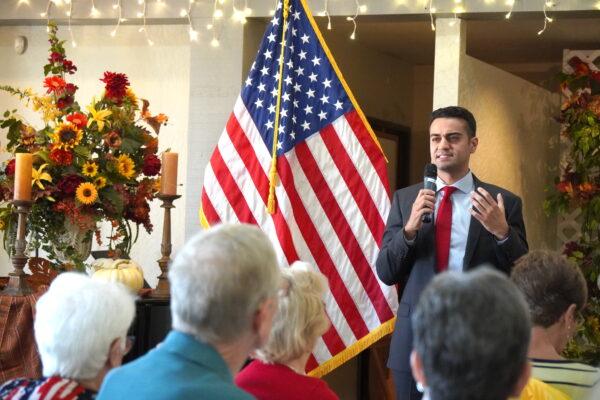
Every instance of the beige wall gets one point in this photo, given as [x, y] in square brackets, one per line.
[422, 105]
[517, 137]
[159, 73]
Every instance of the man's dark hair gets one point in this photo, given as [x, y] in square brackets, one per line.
[456, 112]
[471, 332]
[550, 283]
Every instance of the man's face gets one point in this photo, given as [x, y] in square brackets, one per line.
[450, 145]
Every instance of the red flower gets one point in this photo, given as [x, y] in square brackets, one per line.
[116, 86]
[55, 84]
[78, 119]
[64, 102]
[55, 57]
[68, 184]
[61, 157]
[579, 66]
[10, 168]
[151, 165]
[70, 89]
[69, 67]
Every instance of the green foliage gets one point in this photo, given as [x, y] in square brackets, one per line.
[578, 187]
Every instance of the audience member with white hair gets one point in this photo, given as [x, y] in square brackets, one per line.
[279, 370]
[224, 284]
[471, 335]
[80, 330]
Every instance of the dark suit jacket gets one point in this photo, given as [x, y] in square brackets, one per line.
[413, 266]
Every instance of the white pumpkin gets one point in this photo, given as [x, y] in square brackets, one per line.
[127, 272]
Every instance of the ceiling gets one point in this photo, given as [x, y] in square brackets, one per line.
[513, 45]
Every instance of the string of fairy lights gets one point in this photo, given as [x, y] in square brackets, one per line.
[240, 12]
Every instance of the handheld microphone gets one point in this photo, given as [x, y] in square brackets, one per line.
[429, 177]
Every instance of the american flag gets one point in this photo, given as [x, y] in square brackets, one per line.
[331, 190]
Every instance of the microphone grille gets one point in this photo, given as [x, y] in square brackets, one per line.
[430, 170]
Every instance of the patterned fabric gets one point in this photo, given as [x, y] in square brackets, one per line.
[52, 388]
[573, 378]
[18, 352]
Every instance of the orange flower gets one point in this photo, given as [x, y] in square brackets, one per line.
[55, 84]
[565, 187]
[78, 119]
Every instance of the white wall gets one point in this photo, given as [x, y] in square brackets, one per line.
[160, 73]
[518, 139]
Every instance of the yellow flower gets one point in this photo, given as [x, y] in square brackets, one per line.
[125, 166]
[49, 110]
[66, 136]
[97, 116]
[130, 95]
[86, 193]
[90, 169]
[100, 182]
[38, 175]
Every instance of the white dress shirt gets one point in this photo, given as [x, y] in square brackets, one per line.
[461, 217]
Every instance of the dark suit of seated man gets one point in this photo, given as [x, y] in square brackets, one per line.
[475, 223]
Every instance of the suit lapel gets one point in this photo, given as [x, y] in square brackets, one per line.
[474, 233]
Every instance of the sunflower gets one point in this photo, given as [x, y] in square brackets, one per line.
[125, 166]
[89, 169]
[66, 136]
[86, 193]
[100, 182]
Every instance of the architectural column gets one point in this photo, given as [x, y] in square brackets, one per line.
[215, 82]
[450, 52]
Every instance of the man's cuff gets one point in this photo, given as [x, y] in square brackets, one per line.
[504, 239]
[409, 242]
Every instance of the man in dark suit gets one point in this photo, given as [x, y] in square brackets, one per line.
[475, 223]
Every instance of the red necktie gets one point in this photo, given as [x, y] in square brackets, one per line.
[443, 228]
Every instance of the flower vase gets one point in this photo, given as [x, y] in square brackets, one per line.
[73, 246]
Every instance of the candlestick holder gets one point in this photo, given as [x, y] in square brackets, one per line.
[17, 286]
[162, 290]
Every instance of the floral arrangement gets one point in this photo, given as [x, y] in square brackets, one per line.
[90, 165]
[578, 187]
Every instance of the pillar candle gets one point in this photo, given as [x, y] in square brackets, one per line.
[168, 180]
[23, 176]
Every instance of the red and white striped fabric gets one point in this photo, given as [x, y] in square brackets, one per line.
[332, 190]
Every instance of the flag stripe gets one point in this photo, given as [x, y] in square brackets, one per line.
[331, 241]
[364, 167]
[371, 149]
[246, 152]
[230, 189]
[354, 182]
[217, 197]
[343, 231]
[285, 221]
[209, 211]
[320, 252]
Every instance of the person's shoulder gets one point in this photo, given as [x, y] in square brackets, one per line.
[409, 191]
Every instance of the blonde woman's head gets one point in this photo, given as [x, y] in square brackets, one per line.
[300, 317]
